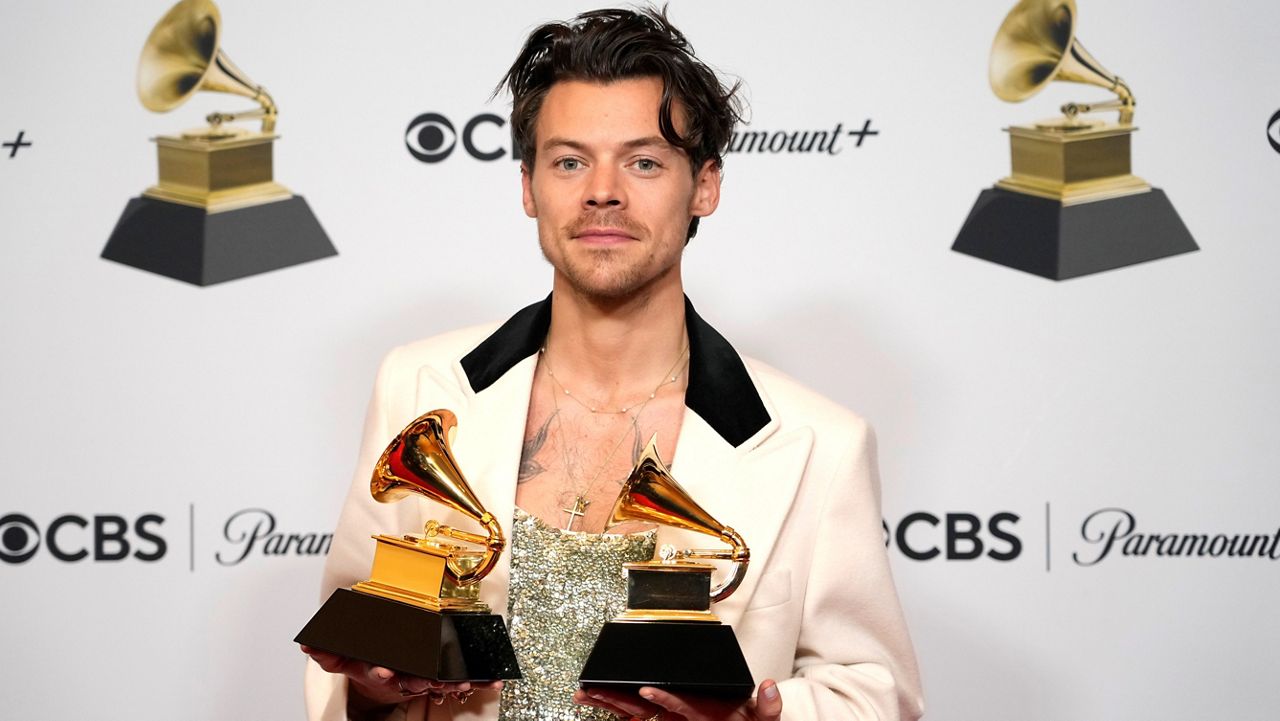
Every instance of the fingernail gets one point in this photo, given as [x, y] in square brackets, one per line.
[771, 692]
[647, 694]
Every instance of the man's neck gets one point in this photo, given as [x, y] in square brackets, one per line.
[615, 348]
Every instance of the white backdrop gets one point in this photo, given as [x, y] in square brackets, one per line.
[1150, 389]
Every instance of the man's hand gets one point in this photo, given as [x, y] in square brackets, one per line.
[656, 704]
[378, 686]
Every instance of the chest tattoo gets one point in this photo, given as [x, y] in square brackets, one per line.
[529, 465]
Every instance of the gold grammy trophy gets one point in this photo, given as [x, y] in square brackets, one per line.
[420, 611]
[1072, 205]
[668, 637]
[216, 213]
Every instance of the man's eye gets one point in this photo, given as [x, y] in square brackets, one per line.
[646, 165]
[569, 164]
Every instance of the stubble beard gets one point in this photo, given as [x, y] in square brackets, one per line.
[604, 275]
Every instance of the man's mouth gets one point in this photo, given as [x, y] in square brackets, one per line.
[603, 236]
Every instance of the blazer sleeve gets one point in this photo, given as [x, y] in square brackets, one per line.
[854, 660]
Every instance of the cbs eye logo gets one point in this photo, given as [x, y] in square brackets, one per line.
[71, 537]
[1273, 131]
[19, 538]
[431, 137]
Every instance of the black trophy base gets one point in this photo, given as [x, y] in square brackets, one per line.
[412, 640]
[1054, 241]
[677, 656]
[203, 248]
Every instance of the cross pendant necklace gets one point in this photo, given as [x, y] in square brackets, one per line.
[579, 510]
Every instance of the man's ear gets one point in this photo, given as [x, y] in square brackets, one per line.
[526, 191]
[706, 190]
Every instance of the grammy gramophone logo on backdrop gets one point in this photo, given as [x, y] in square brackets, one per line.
[1072, 205]
[216, 213]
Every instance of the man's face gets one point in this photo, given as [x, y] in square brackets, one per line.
[612, 198]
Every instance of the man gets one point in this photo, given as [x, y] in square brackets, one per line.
[621, 131]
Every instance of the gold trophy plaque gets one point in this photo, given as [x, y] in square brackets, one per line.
[420, 611]
[668, 637]
[1071, 205]
[216, 212]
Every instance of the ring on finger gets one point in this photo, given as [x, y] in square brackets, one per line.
[404, 691]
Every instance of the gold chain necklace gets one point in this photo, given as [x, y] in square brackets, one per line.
[580, 501]
[671, 372]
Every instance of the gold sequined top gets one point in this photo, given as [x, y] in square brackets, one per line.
[564, 586]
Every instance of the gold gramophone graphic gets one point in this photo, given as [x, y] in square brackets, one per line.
[668, 637]
[1072, 205]
[216, 213]
[420, 611]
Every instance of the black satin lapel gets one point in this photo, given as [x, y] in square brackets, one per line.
[720, 389]
[520, 337]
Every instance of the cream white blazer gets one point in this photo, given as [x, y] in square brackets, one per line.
[793, 472]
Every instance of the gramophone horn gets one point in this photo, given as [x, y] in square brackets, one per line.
[651, 495]
[419, 462]
[182, 57]
[1036, 45]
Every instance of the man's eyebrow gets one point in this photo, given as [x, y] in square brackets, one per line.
[554, 142]
[651, 141]
[645, 142]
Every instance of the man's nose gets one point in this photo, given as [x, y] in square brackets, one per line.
[604, 190]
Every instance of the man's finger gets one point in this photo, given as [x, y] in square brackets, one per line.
[377, 675]
[581, 698]
[417, 686]
[330, 662]
[619, 702]
[385, 678]
[668, 701]
[768, 702]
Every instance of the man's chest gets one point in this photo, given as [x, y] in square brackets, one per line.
[573, 462]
